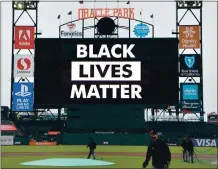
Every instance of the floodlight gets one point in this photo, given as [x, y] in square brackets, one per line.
[23, 5]
[189, 4]
[181, 3]
[19, 5]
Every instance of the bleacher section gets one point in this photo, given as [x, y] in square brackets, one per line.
[39, 128]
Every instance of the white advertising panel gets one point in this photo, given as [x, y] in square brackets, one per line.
[23, 65]
[7, 140]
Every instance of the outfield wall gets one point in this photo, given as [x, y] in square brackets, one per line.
[111, 139]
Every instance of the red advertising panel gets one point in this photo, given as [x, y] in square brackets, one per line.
[53, 132]
[33, 143]
[24, 37]
[8, 128]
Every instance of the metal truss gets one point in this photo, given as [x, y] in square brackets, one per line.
[115, 33]
[19, 9]
[194, 8]
[174, 111]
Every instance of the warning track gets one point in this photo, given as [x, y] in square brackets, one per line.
[127, 154]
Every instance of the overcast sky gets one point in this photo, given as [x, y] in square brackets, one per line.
[164, 21]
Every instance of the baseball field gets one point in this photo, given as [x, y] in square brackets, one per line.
[122, 156]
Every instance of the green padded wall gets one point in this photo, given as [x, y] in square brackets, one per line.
[112, 139]
[21, 141]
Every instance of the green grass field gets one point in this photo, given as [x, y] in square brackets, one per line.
[119, 160]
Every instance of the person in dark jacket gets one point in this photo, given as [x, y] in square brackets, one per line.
[92, 147]
[190, 149]
[160, 153]
[184, 146]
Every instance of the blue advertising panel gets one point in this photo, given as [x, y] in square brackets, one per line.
[141, 30]
[199, 142]
[189, 91]
[22, 97]
[190, 65]
[190, 97]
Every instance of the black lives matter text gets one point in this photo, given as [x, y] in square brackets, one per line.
[107, 71]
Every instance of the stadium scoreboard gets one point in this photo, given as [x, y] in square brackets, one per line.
[106, 71]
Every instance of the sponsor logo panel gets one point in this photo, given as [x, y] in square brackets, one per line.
[22, 97]
[205, 142]
[141, 30]
[23, 65]
[190, 65]
[24, 37]
[7, 140]
[71, 31]
[189, 37]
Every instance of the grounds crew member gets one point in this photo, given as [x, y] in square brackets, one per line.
[92, 147]
[184, 146]
[160, 153]
[190, 149]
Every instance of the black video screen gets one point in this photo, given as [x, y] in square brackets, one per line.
[106, 71]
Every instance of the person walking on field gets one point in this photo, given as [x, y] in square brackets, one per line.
[190, 149]
[185, 151]
[160, 153]
[92, 146]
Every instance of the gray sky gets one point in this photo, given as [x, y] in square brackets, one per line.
[164, 21]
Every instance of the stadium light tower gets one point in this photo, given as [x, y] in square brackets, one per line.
[21, 28]
[186, 31]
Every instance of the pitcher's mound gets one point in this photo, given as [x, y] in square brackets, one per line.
[60, 162]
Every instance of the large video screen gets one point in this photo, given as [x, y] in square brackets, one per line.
[106, 71]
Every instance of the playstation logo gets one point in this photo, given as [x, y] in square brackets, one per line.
[23, 91]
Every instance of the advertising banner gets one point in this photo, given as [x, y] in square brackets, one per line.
[141, 30]
[53, 132]
[190, 106]
[7, 128]
[71, 30]
[7, 140]
[190, 65]
[189, 36]
[33, 143]
[24, 37]
[22, 97]
[189, 91]
[190, 98]
[198, 142]
[23, 65]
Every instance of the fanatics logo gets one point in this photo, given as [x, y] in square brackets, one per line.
[71, 26]
[24, 37]
[71, 31]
